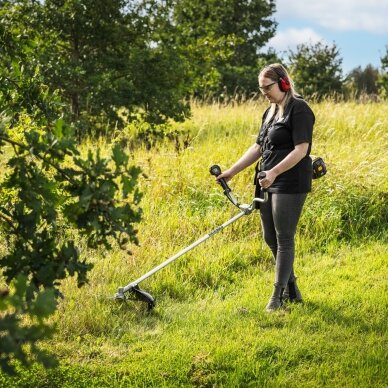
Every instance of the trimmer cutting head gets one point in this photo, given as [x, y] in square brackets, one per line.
[137, 294]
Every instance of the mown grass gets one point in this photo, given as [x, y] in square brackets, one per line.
[209, 327]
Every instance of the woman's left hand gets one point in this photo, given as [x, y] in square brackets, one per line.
[266, 182]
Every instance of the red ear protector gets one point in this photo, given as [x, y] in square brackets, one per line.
[283, 82]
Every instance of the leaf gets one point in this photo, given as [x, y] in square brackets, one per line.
[20, 284]
[119, 156]
[128, 185]
[58, 129]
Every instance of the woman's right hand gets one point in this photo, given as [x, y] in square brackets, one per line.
[227, 175]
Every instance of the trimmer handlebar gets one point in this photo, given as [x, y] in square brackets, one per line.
[216, 171]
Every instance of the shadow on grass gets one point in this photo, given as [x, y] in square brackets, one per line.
[314, 316]
[344, 315]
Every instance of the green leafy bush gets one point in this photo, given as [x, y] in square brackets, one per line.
[47, 188]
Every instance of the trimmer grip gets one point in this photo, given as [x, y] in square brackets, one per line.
[262, 175]
[216, 170]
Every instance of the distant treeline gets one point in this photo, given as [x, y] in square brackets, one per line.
[113, 62]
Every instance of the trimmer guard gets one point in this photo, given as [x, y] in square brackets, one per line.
[138, 294]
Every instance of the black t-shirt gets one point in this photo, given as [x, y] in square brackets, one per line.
[277, 139]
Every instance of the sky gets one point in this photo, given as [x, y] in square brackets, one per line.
[358, 28]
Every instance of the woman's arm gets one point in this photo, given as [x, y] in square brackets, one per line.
[251, 155]
[294, 157]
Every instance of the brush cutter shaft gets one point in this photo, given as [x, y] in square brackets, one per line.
[183, 251]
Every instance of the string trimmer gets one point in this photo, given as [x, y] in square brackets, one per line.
[132, 289]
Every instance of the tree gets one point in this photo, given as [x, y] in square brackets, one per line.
[222, 41]
[316, 69]
[101, 57]
[47, 190]
[363, 81]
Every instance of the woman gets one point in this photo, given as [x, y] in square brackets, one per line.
[283, 147]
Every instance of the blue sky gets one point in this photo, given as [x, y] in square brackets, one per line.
[359, 28]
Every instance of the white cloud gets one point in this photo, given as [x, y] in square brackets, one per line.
[338, 15]
[290, 38]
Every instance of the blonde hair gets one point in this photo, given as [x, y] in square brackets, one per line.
[275, 72]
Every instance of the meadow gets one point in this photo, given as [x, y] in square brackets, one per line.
[209, 327]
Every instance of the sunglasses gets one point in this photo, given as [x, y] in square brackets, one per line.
[266, 88]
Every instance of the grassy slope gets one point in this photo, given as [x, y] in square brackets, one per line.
[209, 327]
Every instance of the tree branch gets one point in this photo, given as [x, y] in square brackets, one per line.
[8, 220]
[26, 148]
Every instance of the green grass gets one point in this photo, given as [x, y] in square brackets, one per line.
[209, 327]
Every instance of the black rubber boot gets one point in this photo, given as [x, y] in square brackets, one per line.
[276, 300]
[292, 293]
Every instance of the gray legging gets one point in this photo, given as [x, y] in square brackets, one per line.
[279, 218]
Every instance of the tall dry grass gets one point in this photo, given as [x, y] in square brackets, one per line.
[209, 327]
